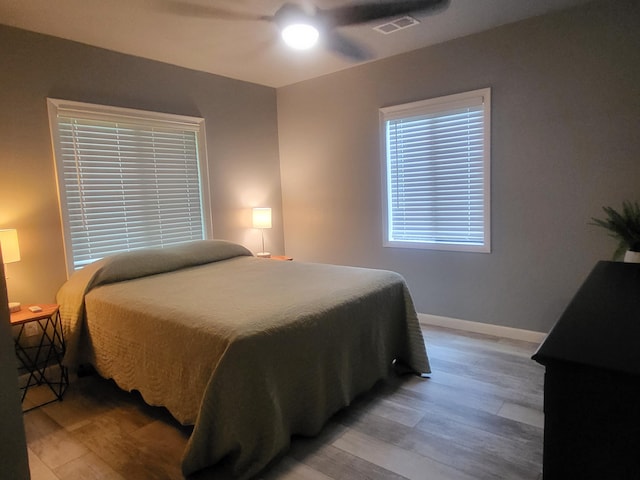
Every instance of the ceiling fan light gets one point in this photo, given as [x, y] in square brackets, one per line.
[300, 36]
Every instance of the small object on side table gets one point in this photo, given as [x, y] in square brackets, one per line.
[281, 257]
[40, 347]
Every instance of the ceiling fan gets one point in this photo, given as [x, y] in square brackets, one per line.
[302, 25]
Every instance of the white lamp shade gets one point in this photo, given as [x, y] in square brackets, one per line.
[261, 218]
[10, 247]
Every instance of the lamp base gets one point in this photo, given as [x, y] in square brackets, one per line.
[14, 307]
[263, 254]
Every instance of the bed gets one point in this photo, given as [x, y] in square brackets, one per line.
[247, 350]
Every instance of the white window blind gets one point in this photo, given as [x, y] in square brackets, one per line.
[437, 173]
[127, 179]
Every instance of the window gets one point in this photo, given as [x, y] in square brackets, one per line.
[436, 173]
[127, 179]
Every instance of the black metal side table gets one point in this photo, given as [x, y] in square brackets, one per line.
[40, 347]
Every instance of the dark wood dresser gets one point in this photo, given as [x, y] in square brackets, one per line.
[592, 380]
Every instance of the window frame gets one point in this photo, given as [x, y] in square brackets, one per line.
[110, 113]
[425, 107]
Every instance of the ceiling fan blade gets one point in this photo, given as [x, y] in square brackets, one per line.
[346, 47]
[367, 12]
[185, 8]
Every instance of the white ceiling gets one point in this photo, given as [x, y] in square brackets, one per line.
[247, 50]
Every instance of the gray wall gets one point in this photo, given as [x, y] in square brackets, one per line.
[566, 103]
[242, 143]
[565, 142]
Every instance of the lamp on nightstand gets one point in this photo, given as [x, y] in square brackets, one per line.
[10, 251]
[262, 220]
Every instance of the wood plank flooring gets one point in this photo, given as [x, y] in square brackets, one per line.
[479, 416]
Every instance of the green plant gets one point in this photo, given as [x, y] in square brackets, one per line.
[624, 226]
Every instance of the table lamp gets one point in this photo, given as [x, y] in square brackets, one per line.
[10, 250]
[262, 220]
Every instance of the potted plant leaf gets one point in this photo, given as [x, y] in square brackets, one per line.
[624, 226]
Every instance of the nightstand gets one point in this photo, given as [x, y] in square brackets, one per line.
[39, 345]
[281, 257]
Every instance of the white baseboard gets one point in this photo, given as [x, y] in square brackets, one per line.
[484, 328]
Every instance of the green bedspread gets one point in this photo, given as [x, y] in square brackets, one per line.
[250, 351]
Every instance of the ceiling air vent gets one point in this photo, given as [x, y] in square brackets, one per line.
[397, 24]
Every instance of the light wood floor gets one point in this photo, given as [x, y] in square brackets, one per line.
[479, 416]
